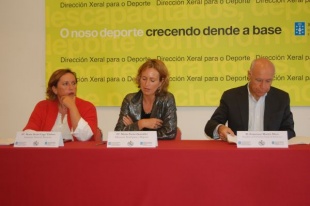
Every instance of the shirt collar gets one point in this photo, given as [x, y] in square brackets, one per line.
[252, 97]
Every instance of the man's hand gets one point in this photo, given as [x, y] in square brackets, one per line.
[223, 131]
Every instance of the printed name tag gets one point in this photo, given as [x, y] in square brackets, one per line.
[38, 139]
[262, 139]
[132, 139]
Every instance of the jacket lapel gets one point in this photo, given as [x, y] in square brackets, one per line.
[268, 108]
[243, 102]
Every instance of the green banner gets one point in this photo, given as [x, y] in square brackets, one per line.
[207, 45]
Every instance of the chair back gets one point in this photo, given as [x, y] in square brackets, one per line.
[98, 135]
[179, 134]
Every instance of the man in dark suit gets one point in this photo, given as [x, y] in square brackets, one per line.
[256, 106]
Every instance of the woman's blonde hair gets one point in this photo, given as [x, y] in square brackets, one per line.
[162, 70]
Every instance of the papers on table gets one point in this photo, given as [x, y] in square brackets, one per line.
[231, 138]
[299, 140]
[7, 141]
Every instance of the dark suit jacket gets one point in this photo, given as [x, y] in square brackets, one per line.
[234, 109]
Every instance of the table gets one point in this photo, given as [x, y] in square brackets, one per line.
[187, 172]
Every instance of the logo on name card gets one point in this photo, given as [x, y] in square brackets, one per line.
[35, 143]
[146, 143]
[49, 143]
[261, 143]
[130, 143]
[277, 143]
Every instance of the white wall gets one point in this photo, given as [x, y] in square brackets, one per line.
[22, 74]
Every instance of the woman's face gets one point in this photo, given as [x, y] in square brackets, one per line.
[66, 86]
[149, 81]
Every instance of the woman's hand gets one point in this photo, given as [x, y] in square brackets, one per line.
[68, 101]
[127, 120]
[152, 123]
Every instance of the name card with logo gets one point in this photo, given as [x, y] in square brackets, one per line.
[38, 139]
[132, 139]
[262, 139]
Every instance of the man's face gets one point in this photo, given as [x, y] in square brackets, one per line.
[260, 78]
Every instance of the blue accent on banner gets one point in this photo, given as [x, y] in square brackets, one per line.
[300, 28]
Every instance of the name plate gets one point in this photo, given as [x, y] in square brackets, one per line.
[132, 139]
[38, 139]
[262, 139]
